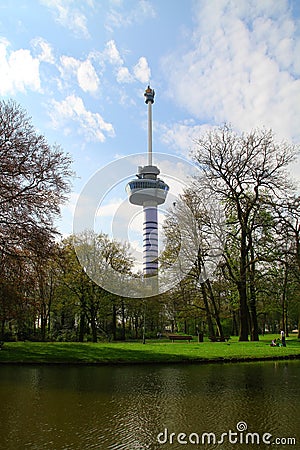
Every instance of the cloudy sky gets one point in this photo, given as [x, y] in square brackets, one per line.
[80, 67]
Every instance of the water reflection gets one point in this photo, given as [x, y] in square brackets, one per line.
[118, 408]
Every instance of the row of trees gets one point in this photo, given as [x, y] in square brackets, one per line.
[243, 279]
[53, 298]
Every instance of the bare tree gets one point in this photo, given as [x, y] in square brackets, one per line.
[34, 181]
[240, 170]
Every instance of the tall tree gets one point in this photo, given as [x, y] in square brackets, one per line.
[34, 181]
[239, 170]
[193, 234]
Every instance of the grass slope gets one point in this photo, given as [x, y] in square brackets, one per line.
[151, 352]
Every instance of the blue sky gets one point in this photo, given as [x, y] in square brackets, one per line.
[80, 67]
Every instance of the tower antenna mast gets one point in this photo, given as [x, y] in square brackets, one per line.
[149, 100]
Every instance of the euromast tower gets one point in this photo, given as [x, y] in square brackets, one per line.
[148, 191]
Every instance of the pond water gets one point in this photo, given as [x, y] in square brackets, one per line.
[139, 407]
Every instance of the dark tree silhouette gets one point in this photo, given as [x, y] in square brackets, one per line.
[34, 181]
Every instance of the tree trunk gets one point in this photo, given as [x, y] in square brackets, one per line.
[207, 311]
[242, 289]
[2, 329]
[235, 327]
[81, 327]
[284, 302]
[123, 336]
[136, 326]
[82, 321]
[215, 309]
[252, 302]
[172, 326]
[185, 327]
[43, 327]
[94, 328]
[264, 324]
[244, 313]
[114, 322]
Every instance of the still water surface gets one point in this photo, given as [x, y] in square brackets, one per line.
[114, 408]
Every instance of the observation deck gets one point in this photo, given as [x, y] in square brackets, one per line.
[147, 188]
[143, 191]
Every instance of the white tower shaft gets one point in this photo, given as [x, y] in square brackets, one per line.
[150, 240]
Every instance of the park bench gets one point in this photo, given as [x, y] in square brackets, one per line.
[219, 338]
[179, 337]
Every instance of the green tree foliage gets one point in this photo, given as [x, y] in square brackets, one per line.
[96, 307]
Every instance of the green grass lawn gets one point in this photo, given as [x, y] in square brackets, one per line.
[151, 352]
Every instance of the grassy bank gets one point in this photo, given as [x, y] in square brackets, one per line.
[152, 352]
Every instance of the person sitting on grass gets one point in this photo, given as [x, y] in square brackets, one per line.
[274, 343]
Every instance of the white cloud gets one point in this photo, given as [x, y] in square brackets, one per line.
[85, 72]
[123, 75]
[19, 70]
[142, 71]
[44, 50]
[68, 16]
[72, 109]
[69, 66]
[87, 77]
[242, 67]
[112, 53]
